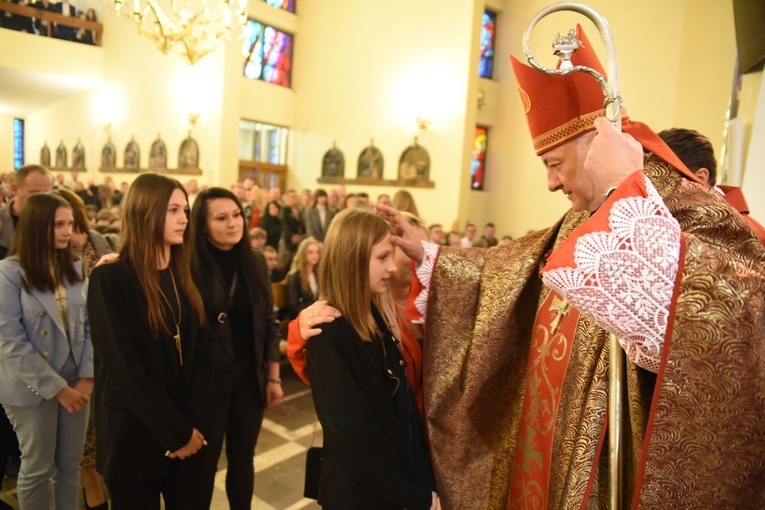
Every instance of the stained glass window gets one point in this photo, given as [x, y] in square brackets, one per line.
[478, 161]
[18, 143]
[287, 5]
[486, 64]
[267, 54]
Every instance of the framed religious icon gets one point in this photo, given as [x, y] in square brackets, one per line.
[188, 155]
[78, 156]
[414, 163]
[61, 155]
[132, 155]
[370, 165]
[333, 163]
[108, 156]
[45, 155]
[158, 155]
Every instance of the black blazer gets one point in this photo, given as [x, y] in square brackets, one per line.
[142, 409]
[375, 456]
[299, 299]
[292, 223]
[273, 227]
[266, 332]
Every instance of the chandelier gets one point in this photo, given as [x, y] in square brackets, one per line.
[192, 28]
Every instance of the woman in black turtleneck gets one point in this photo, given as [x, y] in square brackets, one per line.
[233, 280]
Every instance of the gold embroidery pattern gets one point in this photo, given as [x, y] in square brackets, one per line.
[477, 352]
[579, 425]
[472, 369]
[549, 349]
[569, 130]
[709, 422]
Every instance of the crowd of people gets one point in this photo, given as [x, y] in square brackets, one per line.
[43, 27]
[440, 371]
[199, 371]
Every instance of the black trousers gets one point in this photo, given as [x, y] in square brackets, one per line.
[184, 487]
[241, 424]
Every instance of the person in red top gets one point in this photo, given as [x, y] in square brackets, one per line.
[696, 151]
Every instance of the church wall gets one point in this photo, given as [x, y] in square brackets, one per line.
[6, 142]
[659, 85]
[753, 113]
[367, 70]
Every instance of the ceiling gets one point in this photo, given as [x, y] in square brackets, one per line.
[23, 91]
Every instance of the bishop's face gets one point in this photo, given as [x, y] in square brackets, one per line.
[565, 172]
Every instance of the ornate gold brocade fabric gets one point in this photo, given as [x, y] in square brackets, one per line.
[480, 314]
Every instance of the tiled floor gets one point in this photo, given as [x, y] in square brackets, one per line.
[279, 457]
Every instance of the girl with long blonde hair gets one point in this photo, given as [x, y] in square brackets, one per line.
[375, 455]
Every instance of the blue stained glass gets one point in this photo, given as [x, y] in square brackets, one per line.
[287, 5]
[478, 161]
[18, 143]
[268, 54]
[486, 64]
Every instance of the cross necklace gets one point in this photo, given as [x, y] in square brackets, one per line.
[177, 336]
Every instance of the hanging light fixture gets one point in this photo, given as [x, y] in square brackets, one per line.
[192, 28]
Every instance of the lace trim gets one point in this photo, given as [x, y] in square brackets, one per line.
[424, 273]
[623, 279]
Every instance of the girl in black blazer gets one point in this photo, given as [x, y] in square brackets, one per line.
[154, 363]
[375, 455]
[234, 283]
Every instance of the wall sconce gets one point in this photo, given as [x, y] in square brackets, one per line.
[481, 100]
[423, 124]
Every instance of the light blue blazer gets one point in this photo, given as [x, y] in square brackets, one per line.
[33, 340]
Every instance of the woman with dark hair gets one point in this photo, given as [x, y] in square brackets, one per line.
[87, 36]
[271, 222]
[89, 246]
[46, 358]
[154, 361]
[375, 455]
[234, 283]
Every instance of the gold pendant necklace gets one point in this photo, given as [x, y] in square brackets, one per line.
[177, 336]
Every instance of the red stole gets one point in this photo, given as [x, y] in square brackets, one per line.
[552, 339]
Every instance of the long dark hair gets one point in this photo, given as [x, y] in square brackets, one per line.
[142, 244]
[33, 242]
[202, 262]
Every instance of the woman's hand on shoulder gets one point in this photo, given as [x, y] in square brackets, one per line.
[105, 259]
[318, 313]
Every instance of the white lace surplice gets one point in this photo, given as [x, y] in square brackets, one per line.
[623, 279]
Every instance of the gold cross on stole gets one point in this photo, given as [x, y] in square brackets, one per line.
[561, 309]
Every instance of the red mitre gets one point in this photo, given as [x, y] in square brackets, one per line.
[561, 108]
